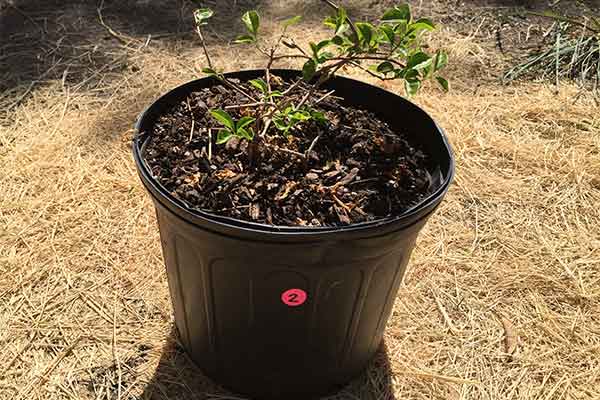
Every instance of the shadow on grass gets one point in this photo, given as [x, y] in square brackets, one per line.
[43, 40]
[177, 377]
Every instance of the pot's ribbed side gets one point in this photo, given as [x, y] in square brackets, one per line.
[227, 299]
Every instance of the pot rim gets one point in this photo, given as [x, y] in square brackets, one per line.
[230, 225]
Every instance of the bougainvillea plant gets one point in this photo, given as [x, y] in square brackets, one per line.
[390, 49]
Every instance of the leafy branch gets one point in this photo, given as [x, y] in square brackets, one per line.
[388, 50]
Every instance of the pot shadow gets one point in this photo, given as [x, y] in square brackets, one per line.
[177, 377]
[43, 40]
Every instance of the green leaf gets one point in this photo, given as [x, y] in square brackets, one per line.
[326, 55]
[330, 22]
[202, 15]
[342, 21]
[260, 85]
[412, 86]
[443, 83]
[337, 40]
[422, 24]
[252, 21]
[419, 59]
[401, 28]
[223, 136]
[244, 39]
[316, 48]
[388, 34]
[209, 71]
[292, 21]
[366, 31]
[426, 72]
[319, 117]
[299, 116]
[246, 134]
[410, 74]
[223, 118]
[243, 122]
[309, 69]
[398, 13]
[339, 22]
[280, 124]
[276, 93]
[322, 44]
[385, 67]
[424, 65]
[441, 60]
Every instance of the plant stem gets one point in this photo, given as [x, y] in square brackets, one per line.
[237, 88]
[203, 42]
[336, 8]
[222, 78]
[281, 57]
[383, 78]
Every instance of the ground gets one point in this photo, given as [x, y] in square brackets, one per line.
[501, 299]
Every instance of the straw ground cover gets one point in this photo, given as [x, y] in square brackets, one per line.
[502, 297]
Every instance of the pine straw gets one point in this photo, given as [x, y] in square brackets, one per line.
[501, 300]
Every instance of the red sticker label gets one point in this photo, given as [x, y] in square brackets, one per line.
[293, 297]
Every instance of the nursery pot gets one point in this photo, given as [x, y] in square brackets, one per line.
[289, 312]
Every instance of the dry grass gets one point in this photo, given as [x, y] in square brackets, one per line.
[501, 300]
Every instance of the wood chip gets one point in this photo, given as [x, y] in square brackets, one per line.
[342, 215]
[346, 179]
[225, 174]
[285, 191]
[254, 211]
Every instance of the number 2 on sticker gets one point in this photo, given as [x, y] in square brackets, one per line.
[293, 297]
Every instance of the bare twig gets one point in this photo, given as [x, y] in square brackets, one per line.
[294, 45]
[193, 121]
[275, 147]
[119, 36]
[246, 105]
[442, 311]
[266, 127]
[209, 144]
[305, 98]
[326, 95]
[268, 71]
[292, 87]
[312, 145]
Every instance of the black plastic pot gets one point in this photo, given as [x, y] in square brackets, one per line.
[288, 312]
